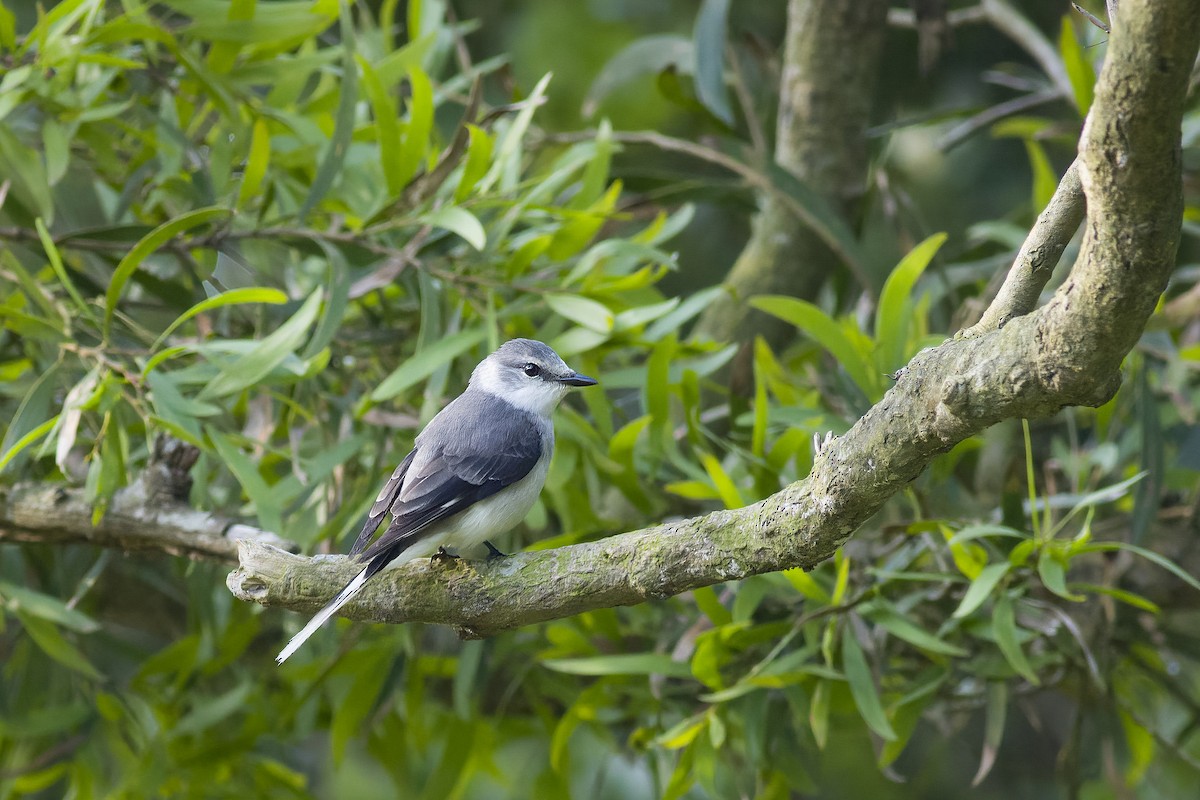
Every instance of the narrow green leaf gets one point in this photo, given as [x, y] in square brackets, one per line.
[726, 488]
[270, 515]
[981, 587]
[1045, 182]
[818, 713]
[1004, 626]
[862, 687]
[582, 311]
[28, 439]
[709, 49]
[147, 245]
[18, 598]
[343, 123]
[47, 637]
[415, 149]
[826, 332]
[479, 157]
[266, 355]
[1135, 600]
[893, 320]
[351, 712]
[57, 264]
[1152, 557]
[256, 163]
[902, 627]
[458, 220]
[997, 710]
[387, 125]
[423, 363]
[1079, 69]
[253, 294]
[621, 664]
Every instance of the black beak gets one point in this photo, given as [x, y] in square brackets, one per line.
[575, 379]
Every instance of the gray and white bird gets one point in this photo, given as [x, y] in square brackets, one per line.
[473, 473]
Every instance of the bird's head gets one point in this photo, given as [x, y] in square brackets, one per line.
[527, 374]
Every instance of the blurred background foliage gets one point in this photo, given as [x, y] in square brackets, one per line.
[285, 231]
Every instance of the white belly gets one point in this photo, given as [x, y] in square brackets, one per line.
[486, 519]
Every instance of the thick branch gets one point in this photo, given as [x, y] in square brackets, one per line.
[134, 520]
[150, 514]
[1067, 353]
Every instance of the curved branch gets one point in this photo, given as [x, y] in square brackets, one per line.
[1038, 256]
[1066, 353]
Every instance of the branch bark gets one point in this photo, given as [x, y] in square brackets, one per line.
[149, 515]
[1068, 352]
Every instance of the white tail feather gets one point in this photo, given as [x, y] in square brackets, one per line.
[322, 616]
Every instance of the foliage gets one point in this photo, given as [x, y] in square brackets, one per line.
[278, 233]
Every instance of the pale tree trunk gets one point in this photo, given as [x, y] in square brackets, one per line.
[830, 65]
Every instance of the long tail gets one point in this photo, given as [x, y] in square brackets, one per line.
[343, 597]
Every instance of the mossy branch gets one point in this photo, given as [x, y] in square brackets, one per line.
[1066, 353]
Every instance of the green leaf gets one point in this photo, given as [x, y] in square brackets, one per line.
[209, 711]
[343, 123]
[266, 355]
[387, 125]
[351, 711]
[18, 598]
[1053, 575]
[893, 320]
[726, 488]
[253, 294]
[59, 270]
[997, 709]
[646, 56]
[981, 587]
[1004, 626]
[621, 664]
[1079, 69]
[1152, 557]
[415, 148]
[256, 162]
[582, 311]
[147, 245]
[479, 157]
[818, 713]
[458, 220]
[709, 49]
[902, 627]
[826, 332]
[862, 687]
[52, 643]
[424, 362]
[28, 439]
[1045, 182]
[270, 515]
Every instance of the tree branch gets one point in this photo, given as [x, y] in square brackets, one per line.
[1068, 352]
[1038, 256]
[150, 514]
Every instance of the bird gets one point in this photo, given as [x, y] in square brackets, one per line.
[473, 472]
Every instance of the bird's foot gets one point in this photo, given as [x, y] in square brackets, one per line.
[493, 552]
[443, 555]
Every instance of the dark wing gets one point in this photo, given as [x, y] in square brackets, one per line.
[477, 453]
[387, 496]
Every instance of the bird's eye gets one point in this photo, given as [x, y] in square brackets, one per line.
[533, 370]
